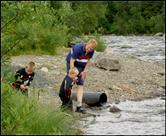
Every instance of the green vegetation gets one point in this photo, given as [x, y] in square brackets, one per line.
[46, 27]
[23, 115]
[134, 17]
[33, 27]
[41, 26]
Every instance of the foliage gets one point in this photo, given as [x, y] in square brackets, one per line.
[134, 17]
[34, 28]
[23, 115]
[41, 26]
[101, 46]
[6, 74]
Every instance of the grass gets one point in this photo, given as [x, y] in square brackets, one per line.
[24, 115]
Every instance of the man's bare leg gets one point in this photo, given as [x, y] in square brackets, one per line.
[79, 95]
[79, 100]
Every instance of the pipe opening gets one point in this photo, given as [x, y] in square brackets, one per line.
[103, 98]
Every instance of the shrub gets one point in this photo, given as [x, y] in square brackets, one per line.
[24, 115]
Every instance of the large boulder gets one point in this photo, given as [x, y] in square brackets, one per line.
[108, 64]
[159, 34]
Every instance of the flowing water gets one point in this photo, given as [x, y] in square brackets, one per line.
[147, 48]
[141, 118]
[145, 117]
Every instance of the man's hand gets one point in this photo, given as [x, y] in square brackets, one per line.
[75, 79]
[83, 75]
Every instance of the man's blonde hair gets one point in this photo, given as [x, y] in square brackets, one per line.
[93, 43]
[73, 71]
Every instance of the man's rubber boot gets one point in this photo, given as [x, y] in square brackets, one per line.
[80, 110]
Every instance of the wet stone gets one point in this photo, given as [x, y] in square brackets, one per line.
[114, 109]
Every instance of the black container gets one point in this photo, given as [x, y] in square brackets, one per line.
[92, 98]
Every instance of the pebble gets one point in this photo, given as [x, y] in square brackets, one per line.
[44, 69]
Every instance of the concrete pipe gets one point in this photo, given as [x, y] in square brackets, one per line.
[92, 98]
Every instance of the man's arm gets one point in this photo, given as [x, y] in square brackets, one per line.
[74, 55]
[72, 63]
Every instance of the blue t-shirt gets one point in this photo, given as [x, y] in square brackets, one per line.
[78, 53]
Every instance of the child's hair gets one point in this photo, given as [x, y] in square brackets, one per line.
[93, 42]
[31, 64]
[73, 71]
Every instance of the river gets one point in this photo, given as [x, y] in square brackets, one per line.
[147, 48]
[145, 117]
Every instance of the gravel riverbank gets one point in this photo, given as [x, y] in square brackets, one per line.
[135, 80]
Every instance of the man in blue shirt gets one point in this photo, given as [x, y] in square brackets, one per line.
[79, 57]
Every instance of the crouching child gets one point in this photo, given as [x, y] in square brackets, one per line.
[66, 87]
[23, 78]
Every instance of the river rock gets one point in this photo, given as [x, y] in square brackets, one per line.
[114, 109]
[117, 101]
[163, 86]
[125, 47]
[163, 98]
[161, 73]
[159, 34]
[108, 64]
[44, 69]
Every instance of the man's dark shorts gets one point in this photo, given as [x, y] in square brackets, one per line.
[80, 69]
